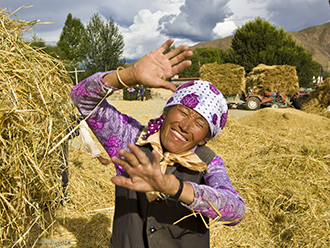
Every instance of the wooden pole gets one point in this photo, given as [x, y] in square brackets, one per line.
[76, 73]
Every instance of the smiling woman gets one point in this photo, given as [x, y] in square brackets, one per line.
[164, 169]
[183, 129]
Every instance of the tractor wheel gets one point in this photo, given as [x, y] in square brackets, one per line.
[275, 105]
[252, 103]
[299, 102]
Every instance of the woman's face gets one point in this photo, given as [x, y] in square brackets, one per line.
[183, 129]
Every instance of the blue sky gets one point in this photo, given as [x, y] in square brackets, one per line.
[146, 24]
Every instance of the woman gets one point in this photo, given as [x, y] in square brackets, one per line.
[164, 171]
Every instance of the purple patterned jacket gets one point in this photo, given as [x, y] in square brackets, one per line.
[115, 131]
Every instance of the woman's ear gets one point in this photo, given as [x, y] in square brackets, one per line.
[165, 112]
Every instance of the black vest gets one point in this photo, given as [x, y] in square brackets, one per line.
[138, 223]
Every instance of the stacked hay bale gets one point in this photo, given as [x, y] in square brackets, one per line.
[274, 78]
[319, 99]
[35, 105]
[228, 78]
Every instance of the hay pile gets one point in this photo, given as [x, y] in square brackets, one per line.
[228, 78]
[35, 105]
[273, 78]
[279, 161]
[319, 99]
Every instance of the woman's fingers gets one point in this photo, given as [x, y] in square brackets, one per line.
[155, 158]
[122, 181]
[126, 166]
[134, 158]
[180, 67]
[166, 45]
[179, 54]
[139, 154]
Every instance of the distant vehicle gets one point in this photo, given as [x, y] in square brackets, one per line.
[271, 99]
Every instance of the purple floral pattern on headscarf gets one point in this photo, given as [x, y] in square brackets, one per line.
[94, 124]
[223, 120]
[214, 119]
[214, 89]
[190, 100]
[191, 83]
[153, 126]
[170, 100]
[205, 99]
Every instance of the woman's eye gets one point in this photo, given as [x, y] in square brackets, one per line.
[183, 112]
[199, 124]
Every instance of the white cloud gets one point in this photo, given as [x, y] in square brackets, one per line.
[196, 19]
[142, 36]
[146, 24]
[224, 29]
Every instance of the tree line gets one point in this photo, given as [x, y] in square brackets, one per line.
[99, 46]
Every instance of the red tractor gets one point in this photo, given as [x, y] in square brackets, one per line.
[274, 99]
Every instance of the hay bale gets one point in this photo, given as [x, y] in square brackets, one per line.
[319, 99]
[274, 78]
[35, 105]
[228, 78]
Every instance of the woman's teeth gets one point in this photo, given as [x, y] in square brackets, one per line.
[179, 135]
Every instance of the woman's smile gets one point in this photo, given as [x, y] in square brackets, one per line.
[178, 136]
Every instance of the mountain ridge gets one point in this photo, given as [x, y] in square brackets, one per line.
[315, 39]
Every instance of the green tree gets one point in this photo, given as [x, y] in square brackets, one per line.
[70, 40]
[39, 44]
[325, 74]
[259, 42]
[200, 57]
[102, 45]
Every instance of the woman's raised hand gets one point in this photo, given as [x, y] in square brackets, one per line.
[155, 67]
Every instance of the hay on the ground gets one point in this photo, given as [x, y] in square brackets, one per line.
[264, 78]
[319, 99]
[35, 105]
[228, 78]
[279, 161]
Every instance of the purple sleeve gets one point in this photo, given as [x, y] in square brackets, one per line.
[220, 192]
[113, 129]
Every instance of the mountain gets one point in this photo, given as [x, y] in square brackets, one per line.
[315, 39]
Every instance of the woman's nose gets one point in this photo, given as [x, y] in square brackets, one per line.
[186, 124]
